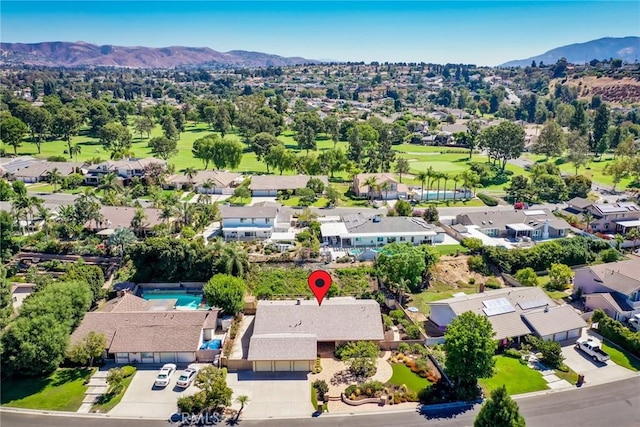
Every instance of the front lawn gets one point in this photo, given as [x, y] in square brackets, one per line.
[518, 378]
[110, 402]
[403, 375]
[621, 357]
[61, 391]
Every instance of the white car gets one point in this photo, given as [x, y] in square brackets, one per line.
[188, 375]
[164, 376]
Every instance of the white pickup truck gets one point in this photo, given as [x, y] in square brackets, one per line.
[592, 347]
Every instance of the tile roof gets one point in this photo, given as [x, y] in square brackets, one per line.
[554, 320]
[621, 276]
[337, 319]
[283, 347]
[283, 182]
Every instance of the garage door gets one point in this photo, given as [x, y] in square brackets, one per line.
[167, 357]
[186, 357]
[574, 333]
[301, 365]
[262, 366]
[283, 365]
[560, 336]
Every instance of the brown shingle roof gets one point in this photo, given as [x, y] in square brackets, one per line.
[283, 347]
[121, 216]
[219, 178]
[156, 339]
[126, 303]
[554, 320]
[40, 169]
[283, 182]
[621, 276]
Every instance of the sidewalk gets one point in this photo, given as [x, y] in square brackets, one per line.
[97, 387]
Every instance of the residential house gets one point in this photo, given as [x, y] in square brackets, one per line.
[113, 217]
[394, 190]
[39, 171]
[220, 182]
[359, 230]
[516, 225]
[288, 335]
[124, 169]
[269, 185]
[513, 313]
[613, 287]
[10, 165]
[259, 221]
[137, 332]
[20, 291]
[578, 205]
[614, 218]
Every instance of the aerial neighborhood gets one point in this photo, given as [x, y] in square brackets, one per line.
[161, 229]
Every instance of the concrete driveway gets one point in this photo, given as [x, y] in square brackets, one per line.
[142, 399]
[272, 394]
[594, 372]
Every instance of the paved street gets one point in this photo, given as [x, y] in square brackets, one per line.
[616, 404]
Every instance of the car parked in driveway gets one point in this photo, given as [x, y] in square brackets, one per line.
[165, 374]
[188, 375]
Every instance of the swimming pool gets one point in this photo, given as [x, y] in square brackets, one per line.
[185, 301]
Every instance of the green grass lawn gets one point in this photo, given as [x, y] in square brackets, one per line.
[61, 391]
[570, 376]
[437, 291]
[451, 203]
[516, 377]
[450, 249]
[621, 357]
[111, 403]
[294, 201]
[403, 375]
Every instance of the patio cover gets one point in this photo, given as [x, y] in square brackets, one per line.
[519, 227]
[629, 223]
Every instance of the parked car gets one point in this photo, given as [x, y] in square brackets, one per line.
[188, 375]
[592, 347]
[165, 374]
[634, 323]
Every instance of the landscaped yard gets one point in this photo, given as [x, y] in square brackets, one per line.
[61, 391]
[518, 378]
[403, 375]
[621, 357]
[450, 249]
[113, 401]
[436, 292]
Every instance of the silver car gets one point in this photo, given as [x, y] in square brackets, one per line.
[188, 375]
[164, 376]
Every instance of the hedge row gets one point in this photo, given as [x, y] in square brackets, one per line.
[487, 200]
[617, 332]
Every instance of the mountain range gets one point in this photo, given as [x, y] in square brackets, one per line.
[68, 54]
[625, 48]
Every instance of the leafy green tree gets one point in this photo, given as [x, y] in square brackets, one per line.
[85, 351]
[39, 121]
[333, 194]
[242, 193]
[474, 244]
[143, 125]
[527, 277]
[225, 292]
[280, 158]
[12, 130]
[226, 153]
[577, 186]
[212, 382]
[551, 351]
[66, 301]
[403, 208]
[307, 126]
[66, 124]
[203, 149]
[262, 143]
[560, 276]
[430, 214]
[402, 261]
[499, 411]
[470, 348]
[360, 357]
[92, 275]
[503, 142]
[163, 147]
[6, 303]
[115, 138]
[332, 128]
[618, 170]
[169, 129]
[551, 141]
[600, 126]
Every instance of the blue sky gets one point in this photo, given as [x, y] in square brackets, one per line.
[480, 32]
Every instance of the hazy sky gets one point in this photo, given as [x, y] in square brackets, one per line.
[480, 32]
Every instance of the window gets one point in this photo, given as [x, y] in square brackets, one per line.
[243, 220]
[402, 239]
[147, 355]
[380, 239]
[267, 220]
[537, 233]
[249, 234]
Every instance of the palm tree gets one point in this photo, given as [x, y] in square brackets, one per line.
[619, 240]
[45, 215]
[242, 400]
[121, 238]
[402, 166]
[233, 260]
[208, 185]
[430, 173]
[588, 219]
[422, 177]
[446, 178]
[437, 177]
[204, 198]
[372, 184]
[137, 221]
[167, 214]
[456, 178]
[385, 186]
[54, 177]
[186, 214]
[109, 184]
[74, 150]
[190, 173]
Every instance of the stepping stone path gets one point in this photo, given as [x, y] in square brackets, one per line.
[97, 386]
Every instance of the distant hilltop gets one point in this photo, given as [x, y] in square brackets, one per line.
[625, 48]
[68, 54]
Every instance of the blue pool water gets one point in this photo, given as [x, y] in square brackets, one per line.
[185, 301]
[211, 345]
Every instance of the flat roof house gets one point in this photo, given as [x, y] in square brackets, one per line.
[288, 335]
[613, 287]
[269, 185]
[138, 333]
[359, 230]
[513, 313]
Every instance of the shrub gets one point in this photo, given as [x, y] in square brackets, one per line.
[472, 243]
[476, 263]
[413, 332]
[487, 200]
[127, 371]
[403, 347]
[492, 283]
[617, 332]
[419, 349]
[387, 321]
[551, 351]
[527, 277]
[397, 315]
[321, 387]
[610, 255]
[512, 352]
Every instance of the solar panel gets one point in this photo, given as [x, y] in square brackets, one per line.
[526, 305]
[497, 306]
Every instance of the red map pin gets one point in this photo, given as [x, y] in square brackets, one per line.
[319, 282]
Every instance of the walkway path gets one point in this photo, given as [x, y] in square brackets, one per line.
[97, 387]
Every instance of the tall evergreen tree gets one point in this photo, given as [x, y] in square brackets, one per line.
[499, 411]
